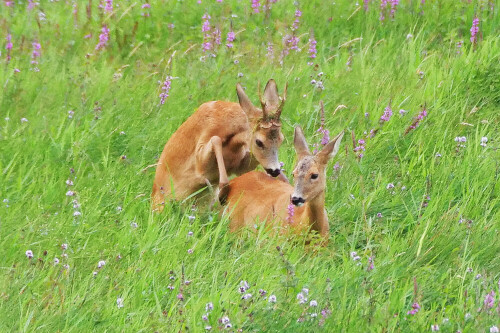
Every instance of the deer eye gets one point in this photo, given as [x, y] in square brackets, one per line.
[259, 143]
[314, 176]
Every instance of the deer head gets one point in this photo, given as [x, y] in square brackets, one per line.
[310, 171]
[266, 134]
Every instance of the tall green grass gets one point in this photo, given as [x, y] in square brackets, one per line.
[436, 244]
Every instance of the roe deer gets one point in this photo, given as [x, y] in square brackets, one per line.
[220, 138]
[256, 196]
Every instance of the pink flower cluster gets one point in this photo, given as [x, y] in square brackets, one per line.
[35, 54]
[312, 47]
[8, 46]
[146, 12]
[415, 307]
[296, 23]
[256, 6]
[167, 85]
[394, 4]
[103, 38]
[230, 39]
[108, 7]
[365, 4]
[383, 6]
[387, 113]
[421, 115]
[206, 29]
[474, 30]
[290, 213]
[360, 147]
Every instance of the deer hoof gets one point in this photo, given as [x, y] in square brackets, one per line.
[223, 193]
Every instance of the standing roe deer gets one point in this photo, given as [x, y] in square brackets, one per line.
[256, 196]
[220, 138]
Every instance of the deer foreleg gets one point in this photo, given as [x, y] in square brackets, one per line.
[213, 147]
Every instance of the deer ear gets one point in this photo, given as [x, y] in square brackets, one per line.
[271, 96]
[245, 102]
[330, 150]
[299, 141]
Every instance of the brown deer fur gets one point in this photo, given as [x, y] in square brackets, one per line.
[255, 196]
[220, 138]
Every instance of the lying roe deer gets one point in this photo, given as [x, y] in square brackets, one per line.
[220, 138]
[256, 196]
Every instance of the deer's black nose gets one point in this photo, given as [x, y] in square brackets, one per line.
[297, 201]
[273, 172]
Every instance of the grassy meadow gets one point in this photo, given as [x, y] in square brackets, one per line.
[414, 222]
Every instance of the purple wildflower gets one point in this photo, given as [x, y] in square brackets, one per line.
[360, 146]
[165, 89]
[243, 287]
[217, 36]
[36, 52]
[434, 328]
[383, 6]
[394, 4]
[354, 256]
[379, 215]
[29, 254]
[365, 5]
[312, 47]
[205, 28]
[291, 43]
[272, 299]
[209, 306]
[230, 39]
[9, 3]
[103, 38]
[290, 213]
[8, 46]
[296, 23]
[422, 114]
[31, 4]
[270, 50]
[109, 6]
[180, 297]
[246, 296]
[415, 307]
[474, 30]
[459, 46]
[489, 300]
[301, 298]
[326, 133]
[371, 265]
[146, 13]
[387, 113]
[255, 6]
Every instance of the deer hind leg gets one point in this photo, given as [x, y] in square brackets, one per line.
[213, 147]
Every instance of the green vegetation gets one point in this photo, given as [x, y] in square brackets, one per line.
[437, 240]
